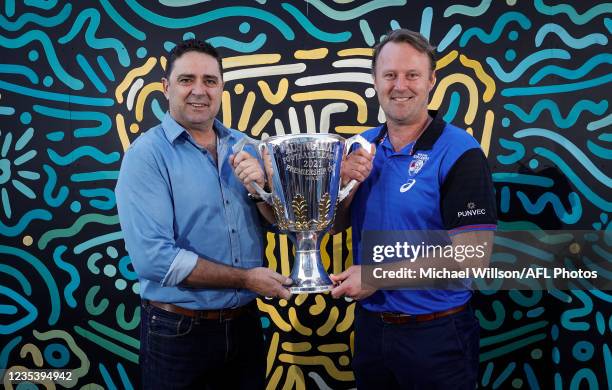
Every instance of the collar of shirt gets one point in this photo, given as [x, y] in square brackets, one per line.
[172, 130]
[424, 142]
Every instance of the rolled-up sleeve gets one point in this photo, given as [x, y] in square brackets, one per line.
[146, 215]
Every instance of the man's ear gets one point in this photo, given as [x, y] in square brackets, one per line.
[165, 86]
[432, 80]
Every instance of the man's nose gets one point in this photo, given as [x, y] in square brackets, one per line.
[198, 88]
[400, 83]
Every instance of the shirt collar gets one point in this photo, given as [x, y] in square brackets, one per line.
[424, 142]
[172, 129]
[431, 133]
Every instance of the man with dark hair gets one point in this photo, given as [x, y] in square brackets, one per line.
[192, 231]
[422, 177]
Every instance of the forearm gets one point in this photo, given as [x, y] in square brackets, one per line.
[267, 212]
[342, 220]
[208, 274]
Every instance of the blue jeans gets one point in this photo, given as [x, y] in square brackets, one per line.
[437, 354]
[180, 352]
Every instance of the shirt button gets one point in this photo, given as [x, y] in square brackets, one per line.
[233, 230]
[227, 202]
[235, 260]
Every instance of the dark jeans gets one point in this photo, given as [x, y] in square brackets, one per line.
[437, 354]
[180, 352]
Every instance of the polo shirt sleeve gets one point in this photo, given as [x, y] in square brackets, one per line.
[146, 216]
[467, 196]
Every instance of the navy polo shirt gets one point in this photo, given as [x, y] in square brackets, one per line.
[428, 185]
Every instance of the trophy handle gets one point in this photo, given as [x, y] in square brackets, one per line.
[347, 146]
[259, 146]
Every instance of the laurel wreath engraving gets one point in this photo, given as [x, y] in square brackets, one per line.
[279, 211]
[300, 210]
[324, 206]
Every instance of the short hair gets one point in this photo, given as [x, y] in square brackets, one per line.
[192, 45]
[412, 38]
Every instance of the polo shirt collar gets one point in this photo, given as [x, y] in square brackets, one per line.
[431, 134]
[172, 129]
[424, 142]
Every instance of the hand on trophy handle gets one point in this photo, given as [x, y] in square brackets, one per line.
[237, 149]
[267, 283]
[248, 170]
[356, 167]
[265, 156]
[348, 284]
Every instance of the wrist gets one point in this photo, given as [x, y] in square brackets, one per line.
[243, 278]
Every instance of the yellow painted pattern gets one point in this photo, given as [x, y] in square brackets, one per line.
[337, 253]
[131, 75]
[318, 307]
[349, 317]
[284, 250]
[281, 91]
[142, 97]
[351, 129]
[255, 59]
[447, 59]
[325, 258]
[275, 378]
[261, 123]
[487, 131]
[296, 347]
[482, 76]
[226, 108]
[301, 329]
[27, 240]
[329, 324]
[31, 349]
[349, 244]
[272, 263]
[246, 111]
[319, 360]
[272, 349]
[314, 54]
[469, 83]
[301, 298]
[295, 379]
[358, 51]
[273, 313]
[333, 348]
[362, 108]
[121, 132]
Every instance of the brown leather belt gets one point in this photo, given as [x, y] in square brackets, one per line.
[399, 318]
[221, 314]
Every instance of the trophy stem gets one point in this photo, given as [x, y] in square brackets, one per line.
[308, 274]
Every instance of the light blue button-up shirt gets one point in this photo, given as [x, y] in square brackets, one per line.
[175, 204]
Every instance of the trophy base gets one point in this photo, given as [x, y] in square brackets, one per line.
[309, 289]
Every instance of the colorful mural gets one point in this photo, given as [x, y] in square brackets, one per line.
[80, 80]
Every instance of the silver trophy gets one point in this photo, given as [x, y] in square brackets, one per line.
[305, 191]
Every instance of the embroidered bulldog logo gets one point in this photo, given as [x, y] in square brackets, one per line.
[417, 163]
[415, 166]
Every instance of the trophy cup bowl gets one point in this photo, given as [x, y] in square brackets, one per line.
[305, 191]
